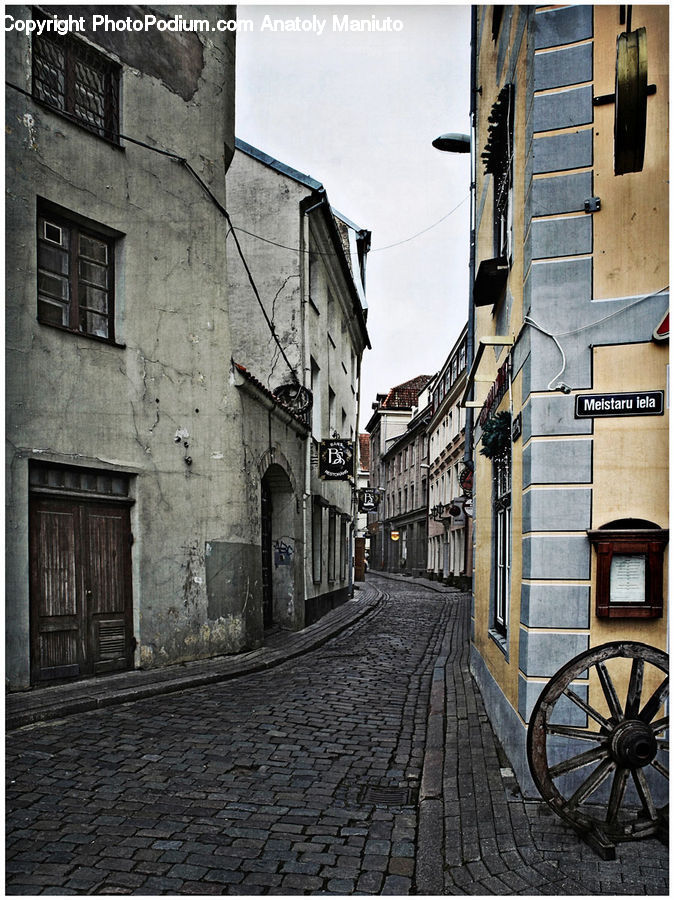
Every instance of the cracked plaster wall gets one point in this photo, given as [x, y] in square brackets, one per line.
[267, 441]
[164, 395]
[266, 203]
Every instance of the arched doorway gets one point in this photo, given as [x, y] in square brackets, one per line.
[278, 548]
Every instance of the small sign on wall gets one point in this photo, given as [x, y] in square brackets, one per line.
[641, 403]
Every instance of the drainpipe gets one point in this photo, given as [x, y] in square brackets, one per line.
[470, 334]
[306, 369]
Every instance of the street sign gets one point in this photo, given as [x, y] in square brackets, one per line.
[641, 403]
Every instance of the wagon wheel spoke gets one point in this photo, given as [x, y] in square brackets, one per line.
[617, 794]
[577, 762]
[581, 734]
[609, 690]
[644, 793]
[587, 708]
[663, 744]
[590, 785]
[660, 725]
[635, 688]
[660, 768]
[657, 699]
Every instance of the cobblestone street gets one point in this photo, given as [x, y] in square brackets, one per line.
[260, 784]
[303, 779]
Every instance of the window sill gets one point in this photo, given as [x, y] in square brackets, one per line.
[64, 114]
[500, 640]
[82, 334]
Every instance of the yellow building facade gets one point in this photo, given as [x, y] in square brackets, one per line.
[569, 375]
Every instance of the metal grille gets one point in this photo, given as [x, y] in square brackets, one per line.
[387, 795]
[90, 96]
[77, 80]
[49, 80]
[111, 639]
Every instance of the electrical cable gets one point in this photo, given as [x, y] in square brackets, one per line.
[552, 386]
[180, 159]
[259, 237]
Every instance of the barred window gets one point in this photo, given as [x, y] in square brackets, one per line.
[75, 284]
[78, 81]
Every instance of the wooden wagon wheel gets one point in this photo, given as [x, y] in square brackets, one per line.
[617, 799]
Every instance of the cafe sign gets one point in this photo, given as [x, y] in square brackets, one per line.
[641, 403]
[368, 500]
[335, 460]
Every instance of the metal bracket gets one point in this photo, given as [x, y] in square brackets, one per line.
[605, 99]
[593, 204]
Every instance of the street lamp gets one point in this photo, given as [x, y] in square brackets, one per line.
[462, 143]
[453, 143]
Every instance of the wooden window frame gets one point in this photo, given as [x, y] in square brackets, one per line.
[76, 54]
[73, 305]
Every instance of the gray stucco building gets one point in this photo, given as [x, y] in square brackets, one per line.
[120, 427]
[309, 263]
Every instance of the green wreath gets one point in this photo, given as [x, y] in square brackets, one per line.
[496, 436]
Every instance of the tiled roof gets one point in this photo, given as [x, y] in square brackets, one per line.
[405, 395]
[364, 447]
[270, 394]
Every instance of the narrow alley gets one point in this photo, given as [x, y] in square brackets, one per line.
[308, 778]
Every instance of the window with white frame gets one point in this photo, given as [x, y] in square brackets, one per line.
[501, 472]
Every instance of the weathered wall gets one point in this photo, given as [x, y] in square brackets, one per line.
[306, 299]
[161, 395]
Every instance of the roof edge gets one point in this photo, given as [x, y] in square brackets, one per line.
[277, 165]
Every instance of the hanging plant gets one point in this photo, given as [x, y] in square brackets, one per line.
[496, 436]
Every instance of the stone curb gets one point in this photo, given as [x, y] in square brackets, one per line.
[422, 582]
[429, 874]
[31, 707]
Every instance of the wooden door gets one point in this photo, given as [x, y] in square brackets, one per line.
[81, 607]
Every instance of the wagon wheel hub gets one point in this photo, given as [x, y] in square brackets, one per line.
[633, 744]
[598, 747]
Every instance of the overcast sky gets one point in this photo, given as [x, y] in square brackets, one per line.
[358, 112]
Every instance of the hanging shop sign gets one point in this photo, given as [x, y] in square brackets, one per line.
[368, 500]
[466, 480]
[395, 535]
[642, 403]
[335, 460]
[496, 393]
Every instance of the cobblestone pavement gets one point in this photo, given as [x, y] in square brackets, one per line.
[495, 841]
[301, 780]
[256, 786]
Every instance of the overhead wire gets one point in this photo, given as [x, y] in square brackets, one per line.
[185, 163]
[528, 320]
